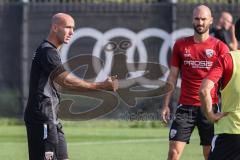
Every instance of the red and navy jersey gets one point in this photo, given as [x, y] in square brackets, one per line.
[194, 61]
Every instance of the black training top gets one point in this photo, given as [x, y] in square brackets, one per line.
[43, 98]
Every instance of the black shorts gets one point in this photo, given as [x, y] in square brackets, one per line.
[186, 118]
[36, 134]
[225, 147]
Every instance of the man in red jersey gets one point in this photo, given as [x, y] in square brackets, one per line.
[226, 142]
[193, 57]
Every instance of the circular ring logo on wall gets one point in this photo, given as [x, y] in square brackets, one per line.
[136, 79]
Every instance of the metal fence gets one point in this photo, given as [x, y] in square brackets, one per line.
[23, 26]
[125, 1]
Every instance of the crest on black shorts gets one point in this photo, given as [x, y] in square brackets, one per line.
[173, 133]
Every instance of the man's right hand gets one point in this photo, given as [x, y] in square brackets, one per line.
[214, 117]
[111, 83]
[165, 113]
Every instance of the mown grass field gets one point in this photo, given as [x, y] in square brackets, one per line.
[102, 140]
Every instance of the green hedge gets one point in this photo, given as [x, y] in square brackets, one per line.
[10, 103]
[106, 123]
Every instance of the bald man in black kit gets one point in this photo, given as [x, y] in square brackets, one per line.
[46, 139]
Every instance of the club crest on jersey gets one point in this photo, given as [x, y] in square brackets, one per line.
[209, 53]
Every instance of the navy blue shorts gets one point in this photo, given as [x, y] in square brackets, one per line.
[225, 147]
[186, 118]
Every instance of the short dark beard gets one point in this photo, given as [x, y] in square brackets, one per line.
[202, 32]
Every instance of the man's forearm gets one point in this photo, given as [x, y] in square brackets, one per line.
[71, 82]
[74, 83]
[171, 80]
[205, 97]
[234, 42]
[167, 98]
[206, 101]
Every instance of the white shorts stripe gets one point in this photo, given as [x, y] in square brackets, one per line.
[45, 131]
[213, 142]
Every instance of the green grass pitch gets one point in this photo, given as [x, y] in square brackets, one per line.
[94, 140]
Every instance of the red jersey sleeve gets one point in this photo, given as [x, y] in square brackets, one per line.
[221, 70]
[222, 48]
[175, 58]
